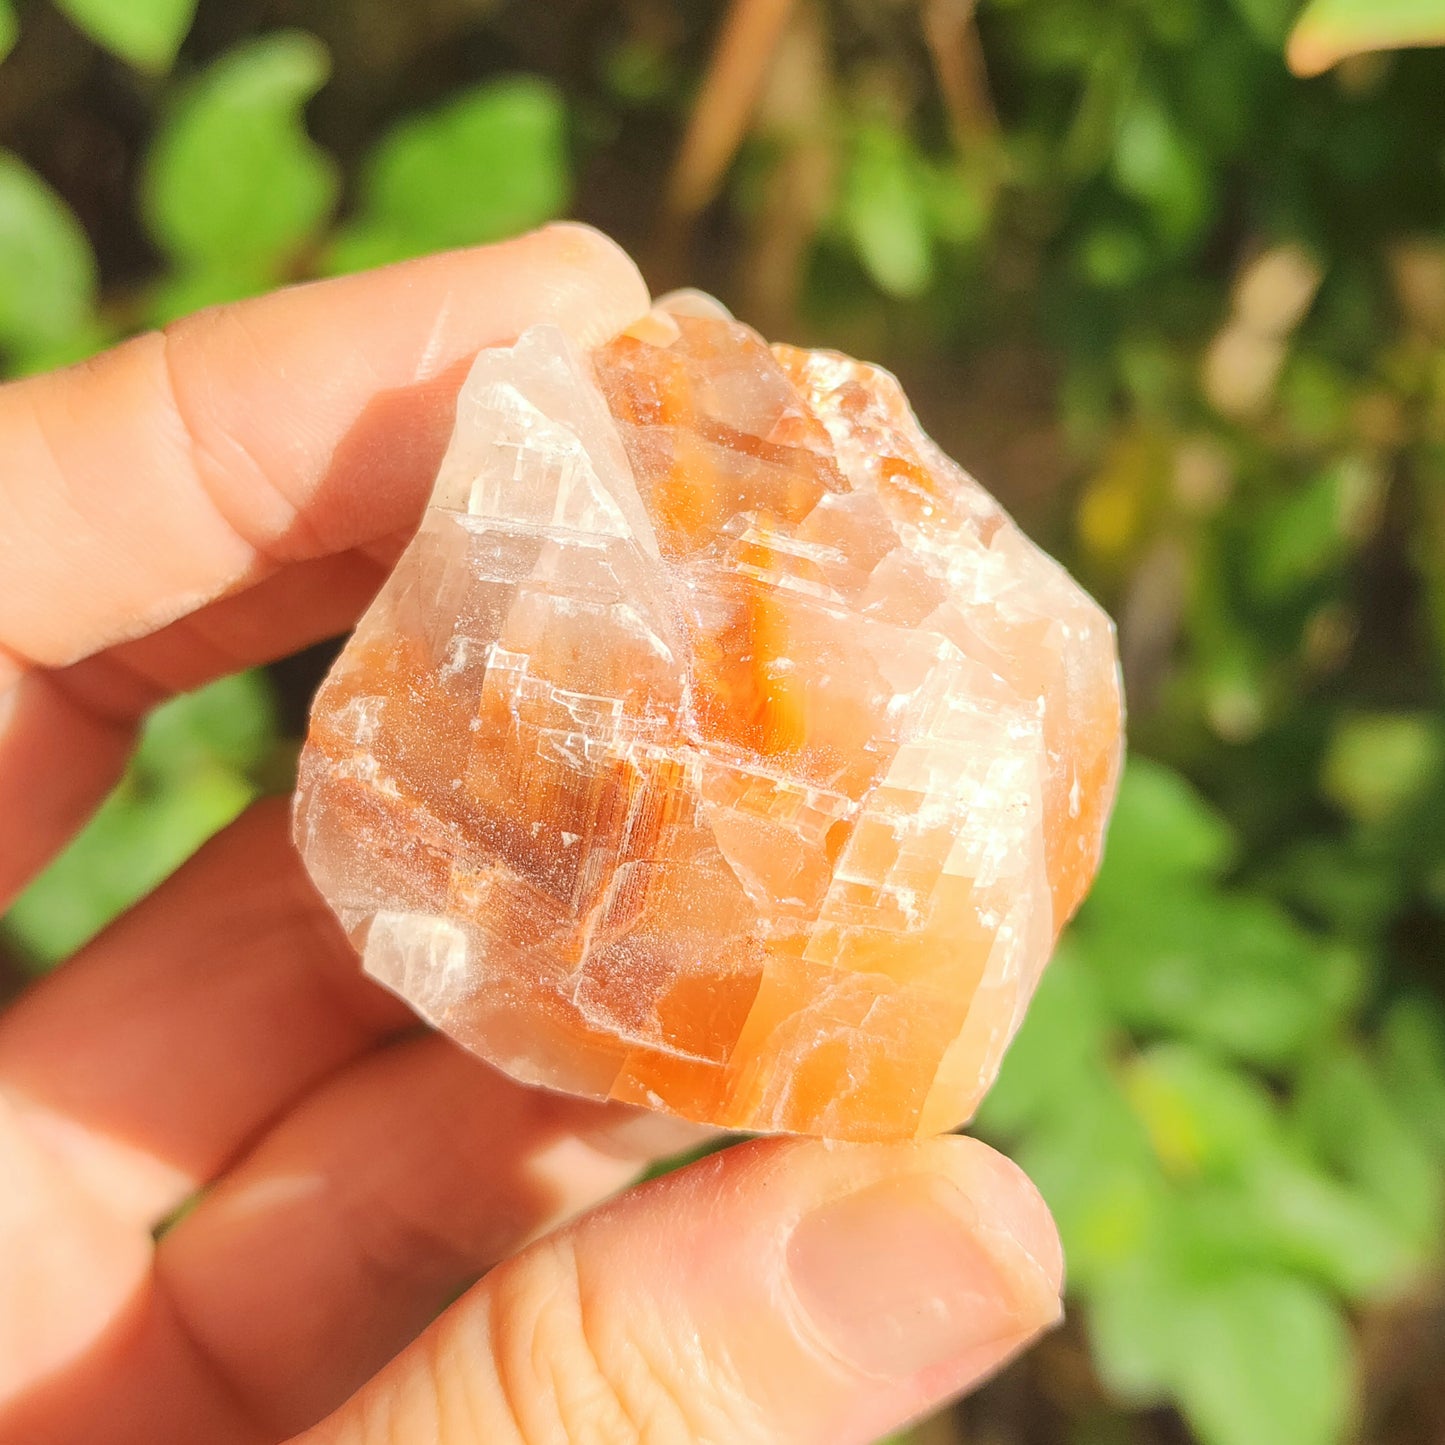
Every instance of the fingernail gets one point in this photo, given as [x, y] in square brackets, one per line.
[902, 1276]
[689, 301]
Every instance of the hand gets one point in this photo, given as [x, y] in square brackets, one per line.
[208, 499]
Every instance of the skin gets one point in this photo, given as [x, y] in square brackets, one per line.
[392, 1243]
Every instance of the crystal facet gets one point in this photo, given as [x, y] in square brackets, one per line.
[718, 744]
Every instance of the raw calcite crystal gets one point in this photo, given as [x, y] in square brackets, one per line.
[718, 744]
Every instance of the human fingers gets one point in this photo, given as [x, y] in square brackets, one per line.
[318, 1256]
[65, 735]
[168, 471]
[187, 1026]
[225, 1019]
[185, 467]
[378, 1201]
[782, 1291]
[131, 1076]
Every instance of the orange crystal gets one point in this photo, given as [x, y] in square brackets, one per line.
[718, 744]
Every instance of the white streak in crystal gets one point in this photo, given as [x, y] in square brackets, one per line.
[515, 458]
[419, 956]
[605, 787]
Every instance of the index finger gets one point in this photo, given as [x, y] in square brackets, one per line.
[227, 472]
[178, 467]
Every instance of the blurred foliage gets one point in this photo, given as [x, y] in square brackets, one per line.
[47, 272]
[233, 188]
[202, 758]
[1217, 1133]
[418, 190]
[1329, 30]
[145, 32]
[1184, 309]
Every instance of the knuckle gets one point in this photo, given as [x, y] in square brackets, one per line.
[236, 481]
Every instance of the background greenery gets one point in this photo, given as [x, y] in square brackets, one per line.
[1182, 308]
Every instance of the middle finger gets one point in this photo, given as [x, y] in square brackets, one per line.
[363, 1214]
[154, 1056]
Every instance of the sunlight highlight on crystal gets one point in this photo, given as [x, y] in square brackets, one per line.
[718, 744]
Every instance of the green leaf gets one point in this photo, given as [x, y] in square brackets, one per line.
[47, 270]
[135, 841]
[1062, 1043]
[1157, 163]
[1282, 1212]
[1092, 1162]
[958, 202]
[145, 33]
[1136, 1323]
[937, 1431]
[1161, 1327]
[1253, 1357]
[1314, 528]
[9, 28]
[1202, 1115]
[1265, 1359]
[233, 184]
[1174, 22]
[1113, 255]
[1428, 544]
[1330, 30]
[1315, 397]
[1229, 970]
[1269, 20]
[231, 724]
[1251, 1197]
[1161, 831]
[885, 211]
[93, 335]
[491, 162]
[191, 775]
[1412, 1064]
[1234, 676]
[1378, 763]
[1351, 889]
[1354, 1124]
[1108, 82]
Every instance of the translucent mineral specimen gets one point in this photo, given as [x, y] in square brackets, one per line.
[718, 744]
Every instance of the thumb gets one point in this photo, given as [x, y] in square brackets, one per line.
[782, 1291]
